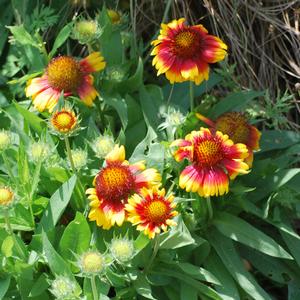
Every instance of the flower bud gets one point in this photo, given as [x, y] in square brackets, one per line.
[63, 288]
[122, 249]
[103, 145]
[5, 140]
[92, 262]
[39, 151]
[79, 158]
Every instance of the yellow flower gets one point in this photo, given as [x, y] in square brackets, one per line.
[67, 75]
[6, 196]
[151, 211]
[214, 159]
[64, 121]
[239, 130]
[114, 184]
[184, 52]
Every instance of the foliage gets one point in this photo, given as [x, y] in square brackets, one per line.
[241, 245]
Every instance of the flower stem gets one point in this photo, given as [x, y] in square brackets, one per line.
[209, 208]
[81, 188]
[170, 95]
[94, 288]
[154, 253]
[11, 233]
[191, 95]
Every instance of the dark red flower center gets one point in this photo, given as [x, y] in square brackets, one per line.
[235, 125]
[187, 43]
[115, 183]
[208, 152]
[64, 73]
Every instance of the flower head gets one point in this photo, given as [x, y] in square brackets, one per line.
[184, 52]
[79, 157]
[114, 184]
[151, 211]
[116, 73]
[5, 139]
[92, 262]
[65, 74]
[64, 122]
[6, 196]
[63, 288]
[103, 145]
[237, 127]
[114, 16]
[215, 159]
[86, 31]
[122, 249]
[39, 151]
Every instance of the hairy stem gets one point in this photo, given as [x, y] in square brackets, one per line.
[191, 95]
[94, 288]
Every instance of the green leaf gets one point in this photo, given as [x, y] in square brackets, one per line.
[133, 83]
[241, 231]
[110, 40]
[200, 287]
[39, 286]
[293, 243]
[178, 236]
[139, 151]
[235, 266]
[22, 36]
[275, 139]
[234, 101]
[271, 267]
[227, 289]
[156, 157]
[294, 291]
[7, 246]
[35, 122]
[151, 98]
[141, 242]
[57, 204]
[76, 237]
[4, 285]
[56, 263]
[187, 292]
[61, 38]
[143, 287]
[198, 273]
[119, 104]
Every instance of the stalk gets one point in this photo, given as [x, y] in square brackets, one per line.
[154, 253]
[209, 208]
[81, 188]
[94, 288]
[191, 95]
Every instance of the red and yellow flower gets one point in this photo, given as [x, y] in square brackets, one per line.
[184, 52]
[152, 211]
[215, 159]
[237, 127]
[66, 74]
[114, 184]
